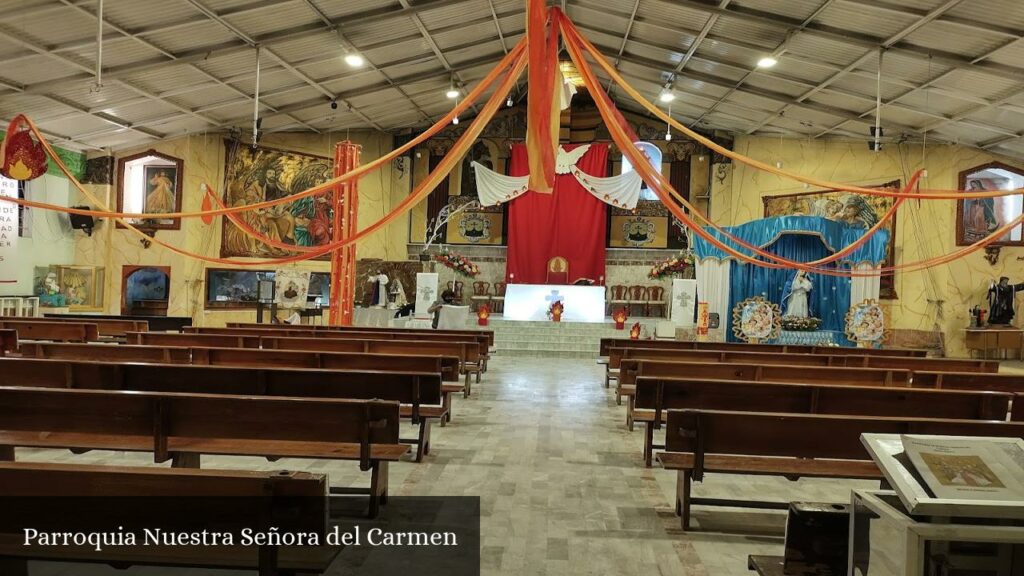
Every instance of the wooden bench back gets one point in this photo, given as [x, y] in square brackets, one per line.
[414, 388]
[158, 323]
[969, 381]
[192, 340]
[488, 334]
[616, 355]
[466, 351]
[306, 332]
[630, 370]
[803, 435]
[8, 341]
[46, 330]
[660, 394]
[106, 327]
[106, 353]
[608, 343]
[163, 422]
[447, 366]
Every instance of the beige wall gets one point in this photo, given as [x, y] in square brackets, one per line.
[204, 157]
[922, 232]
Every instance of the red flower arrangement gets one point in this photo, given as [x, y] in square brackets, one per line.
[671, 266]
[459, 263]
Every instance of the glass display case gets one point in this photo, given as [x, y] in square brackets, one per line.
[78, 288]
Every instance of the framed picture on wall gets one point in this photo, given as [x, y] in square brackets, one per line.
[978, 218]
[150, 182]
[229, 288]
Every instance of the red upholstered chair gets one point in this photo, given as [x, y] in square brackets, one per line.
[498, 300]
[558, 271]
[638, 297]
[481, 294]
[656, 299]
[618, 297]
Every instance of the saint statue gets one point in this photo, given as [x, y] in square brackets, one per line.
[797, 298]
[380, 289]
[1000, 301]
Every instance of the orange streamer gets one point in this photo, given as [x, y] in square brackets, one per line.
[541, 135]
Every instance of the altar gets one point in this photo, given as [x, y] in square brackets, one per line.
[530, 302]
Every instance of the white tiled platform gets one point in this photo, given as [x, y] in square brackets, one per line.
[557, 339]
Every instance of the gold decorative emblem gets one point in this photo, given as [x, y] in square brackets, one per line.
[475, 228]
[638, 232]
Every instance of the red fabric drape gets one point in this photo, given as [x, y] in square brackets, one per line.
[569, 223]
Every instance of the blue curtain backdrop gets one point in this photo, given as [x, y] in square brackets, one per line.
[830, 295]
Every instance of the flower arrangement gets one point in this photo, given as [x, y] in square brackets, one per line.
[458, 262]
[674, 265]
[555, 311]
[800, 324]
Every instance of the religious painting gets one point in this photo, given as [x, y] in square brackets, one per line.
[978, 218]
[477, 227]
[291, 288]
[320, 286]
[756, 319]
[865, 322]
[638, 231]
[857, 210]
[150, 182]
[226, 288]
[253, 176]
[145, 290]
[82, 287]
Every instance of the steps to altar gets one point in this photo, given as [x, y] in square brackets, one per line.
[558, 339]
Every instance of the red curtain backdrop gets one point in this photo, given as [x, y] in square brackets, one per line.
[569, 223]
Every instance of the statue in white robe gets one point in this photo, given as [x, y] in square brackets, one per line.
[799, 295]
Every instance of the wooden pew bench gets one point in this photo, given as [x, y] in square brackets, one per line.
[110, 328]
[871, 377]
[106, 352]
[789, 445]
[192, 340]
[180, 428]
[418, 393]
[293, 501]
[8, 341]
[969, 381]
[46, 330]
[656, 396]
[156, 323]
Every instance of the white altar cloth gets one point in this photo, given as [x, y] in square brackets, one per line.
[531, 302]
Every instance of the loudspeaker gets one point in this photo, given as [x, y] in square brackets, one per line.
[82, 222]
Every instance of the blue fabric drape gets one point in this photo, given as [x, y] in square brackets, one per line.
[829, 298]
[834, 236]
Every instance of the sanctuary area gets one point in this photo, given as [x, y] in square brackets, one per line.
[523, 287]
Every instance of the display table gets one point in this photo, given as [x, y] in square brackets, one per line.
[811, 338]
[530, 302]
[373, 317]
[994, 340]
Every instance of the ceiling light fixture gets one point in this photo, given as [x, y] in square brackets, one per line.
[452, 92]
[767, 62]
[667, 95]
[354, 60]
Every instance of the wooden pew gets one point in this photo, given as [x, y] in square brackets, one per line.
[192, 340]
[299, 331]
[156, 323]
[106, 352]
[489, 334]
[609, 343]
[419, 393]
[876, 377]
[969, 381]
[45, 330]
[53, 496]
[8, 341]
[789, 445]
[467, 352]
[182, 427]
[446, 366]
[111, 328]
[655, 396]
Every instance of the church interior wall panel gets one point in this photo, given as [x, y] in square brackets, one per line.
[52, 241]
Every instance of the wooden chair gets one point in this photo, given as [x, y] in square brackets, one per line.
[456, 286]
[618, 297]
[656, 299]
[499, 297]
[481, 294]
[637, 297]
[558, 271]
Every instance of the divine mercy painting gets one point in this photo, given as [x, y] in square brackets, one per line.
[856, 210]
[253, 176]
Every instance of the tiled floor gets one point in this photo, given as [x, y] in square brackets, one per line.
[562, 484]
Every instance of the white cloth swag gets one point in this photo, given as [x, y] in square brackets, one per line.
[622, 191]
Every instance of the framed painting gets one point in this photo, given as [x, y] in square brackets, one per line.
[977, 218]
[150, 182]
[853, 209]
[865, 323]
[231, 288]
[320, 286]
[253, 176]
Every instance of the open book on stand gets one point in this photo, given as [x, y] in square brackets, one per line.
[965, 468]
